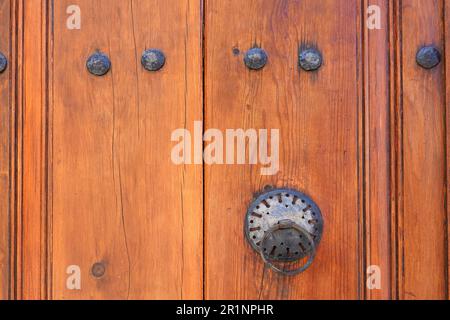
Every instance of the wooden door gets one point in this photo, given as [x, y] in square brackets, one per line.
[88, 185]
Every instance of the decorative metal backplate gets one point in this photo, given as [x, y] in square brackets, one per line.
[285, 207]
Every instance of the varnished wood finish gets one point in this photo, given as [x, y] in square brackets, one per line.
[6, 139]
[447, 112]
[31, 192]
[86, 174]
[318, 117]
[422, 220]
[377, 93]
[116, 196]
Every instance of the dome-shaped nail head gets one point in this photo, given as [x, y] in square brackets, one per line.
[98, 64]
[255, 58]
[310, 59]
[428, 57]
[153, 59]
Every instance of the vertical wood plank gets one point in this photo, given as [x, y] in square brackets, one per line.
[6, 152]
[377, 148]
[422, 223]
[116, 196]
[447, 127]
[32, 133]
[396, 156]
[319, 117]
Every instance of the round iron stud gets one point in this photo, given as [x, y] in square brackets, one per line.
[98, 270]
[255, 58]
[153, 59]
[310, 59]
[3, 63]
[98, 64]
[428, 57]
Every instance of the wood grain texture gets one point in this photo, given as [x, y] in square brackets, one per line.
[319, 117]
[31, 213]
[89, 178]
[6, 153]
[422, 221]
[396, 155]
[116, 196]
[447, 123]
[377, 126]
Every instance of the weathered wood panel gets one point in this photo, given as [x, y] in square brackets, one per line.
[116, 196]
[447, 119]
[377, 65]
[422, 220]
[318, 115]
[6, 160]
[95, 182]
[31, 244]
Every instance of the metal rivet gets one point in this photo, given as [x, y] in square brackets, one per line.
[98, 64]
[255, 58]
[153, 59]
[98, 270]
[428, 57]
[310, 59]
[3, 63]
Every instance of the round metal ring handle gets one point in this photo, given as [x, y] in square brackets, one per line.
[284, 226]
[297, 271]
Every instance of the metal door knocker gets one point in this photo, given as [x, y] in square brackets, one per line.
[284, 226]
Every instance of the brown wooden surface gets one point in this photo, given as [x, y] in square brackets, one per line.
[377, 93]
[31, 121]
[116, 196]
[318, 114]
[447, 112]
[86, 175]
[422, 230]
[6, 132]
